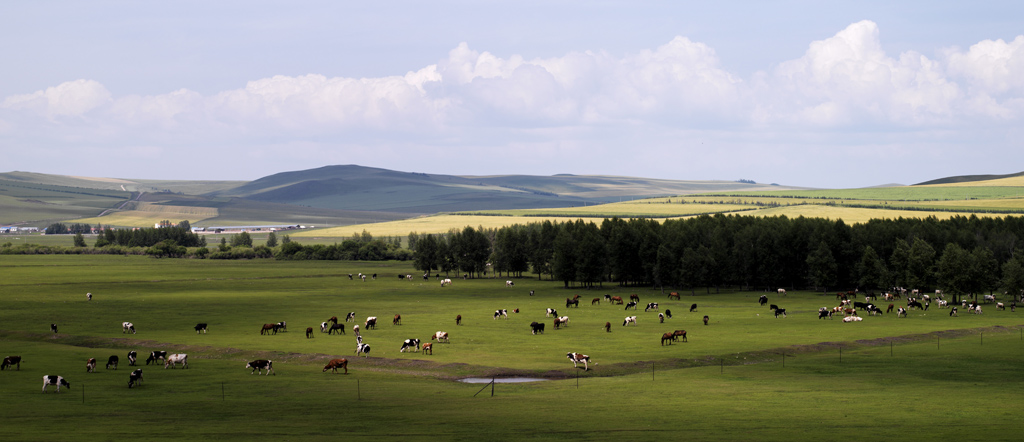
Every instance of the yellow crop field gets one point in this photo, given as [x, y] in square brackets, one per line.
[429, 224]
[652, 208]
[855, 215]
[149, 214]
[1017, 181]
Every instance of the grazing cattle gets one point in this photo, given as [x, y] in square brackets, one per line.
[706, 319]
[350, 276]
[397, 320]
[631, 304]
[651, 306]
[693, 308]
[889, 310]
[858, 304]
[200, 327]
[850, 312]
[55, 380]
[363, 349]
[679, 334]
[668, 313]
[428, 348]
[283, 326]
[824, 312]
[135, 377]
[458, 319]
[913, 304]
[132, 357]
[502, 313]
[156, 356]
[608, 298]
[112, 361]
[874, 310]
[901, 312]
[989, 298]
[515, 310]
[11, 361]
[577, 358]
[977, 310]
[762, 300]
[309, 332]
[772, 307]
[268, 328]
[952, 312]
[661, 318]
[629, 319]
[259, 365]
[355, 329]
[1000, 306]
[572, 303]
[782, 292]
[887, 296]
[127, 327]
[350, 317]
[340, 328]
[537, 327]
[509, 283]
[780, 311]
[595, 301]
[371, 322]
[608, 326]
[531, 292]
[175, 359]
[409, 278]
[634, 297]
[446, 282]
[375, 276]
[335, 364]
[324, 326]
[943, 303]
[561, 321]
[616, 300]
[401, 277]
[666, 337]
[90, 365]
[410, 343]
[440, 336]
[673, 295]
[363, 277]
[853, 319]
[550, 312]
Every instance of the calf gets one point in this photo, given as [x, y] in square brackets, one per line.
[135, 377]
[693, 308]
[537, 327]
[175, 359]
[371, 322]
[11, 361]
[428, 348]
[309, 332]
[127, 327]
[411, 344]
[55, 380]
[155, 356]
[200, 327]
[577, 358]
[629, 319]
[440, 336]
[132, 356]
[90, 365]
[651, 306]
[340, 328]
[112, 360]
[335, 364]
[363, 349]
[259, 365]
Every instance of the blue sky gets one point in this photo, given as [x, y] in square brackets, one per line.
[792, 92]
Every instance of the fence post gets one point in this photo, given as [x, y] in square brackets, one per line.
[492, 386]
[222, 391]
[359, 395]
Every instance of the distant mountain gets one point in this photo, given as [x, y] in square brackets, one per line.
[354, 187]
[969, 178]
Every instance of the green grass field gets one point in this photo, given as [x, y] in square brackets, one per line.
[745, 376]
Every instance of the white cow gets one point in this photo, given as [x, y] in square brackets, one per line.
[853, 319]
[127, 327]
[446, 282]
[509, 283]
[175, 359]
[577, 358]
[782, 291]
[629, 319]
[88, 296]
[440, 336]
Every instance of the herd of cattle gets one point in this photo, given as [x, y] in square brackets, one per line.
[848, 307]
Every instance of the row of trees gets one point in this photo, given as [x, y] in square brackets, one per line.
[180, 235]
[960, 255]
[67, 229]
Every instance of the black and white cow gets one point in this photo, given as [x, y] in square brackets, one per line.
[350, 317]
[90, 365]
[156, 356]
[55, 380]
[577, 358]
[780, 311]
[11, 361]
[651, 306]
[629, 319]
[127, 327]
[668, 313]
[538, 327]
[371, 322]
[135, 377]
[902, 312]
[112, 361]
[502, 313]
[259, 365]
[410, 344]
[53, 328]
[132, 357]
[201, 327]
[762, 300]
[324, 326]
[363, 348]
[952, 312]
[631, 304]
[551, 313]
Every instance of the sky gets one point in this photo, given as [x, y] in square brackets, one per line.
[800, 93]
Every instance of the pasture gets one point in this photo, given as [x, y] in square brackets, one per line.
[745, 376]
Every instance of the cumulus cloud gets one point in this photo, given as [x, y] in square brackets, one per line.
[73, 98]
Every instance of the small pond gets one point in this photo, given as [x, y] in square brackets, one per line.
[500, 380]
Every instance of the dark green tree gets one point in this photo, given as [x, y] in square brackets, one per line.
[823, 267]
[272, 240]
[79, 240]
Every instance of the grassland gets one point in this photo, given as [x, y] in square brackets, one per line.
[746, 376]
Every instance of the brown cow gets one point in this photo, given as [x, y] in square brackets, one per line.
[673, 295]
[335, 364]
[309, 332]
[428, 348]
[397, 320]
[679, 334]
[667, 337]
[607, 326]
[596, 301]
[90, 365]
[616, 300]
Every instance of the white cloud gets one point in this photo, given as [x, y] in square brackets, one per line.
[73, 98]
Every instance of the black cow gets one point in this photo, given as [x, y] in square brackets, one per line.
[53, 328]
[537, 327]
[112, 360]
[773, 307]
[11, 361]
[858, 304]
[668, 313]
[913, 304]
[259, 365]
[762, 300]
[201, 327]
[135, 377]
[780, 311]
[693, 308]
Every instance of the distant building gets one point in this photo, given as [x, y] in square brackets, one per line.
[240, 229]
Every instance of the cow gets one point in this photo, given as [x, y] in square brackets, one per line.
[608, 298]
[874, 310]
[631, 304]
[259, 365]
[853, 319]
[693, 308]
[127, 327]
[889, 310]
[155, 356]
[283, 326]
[112, 360]
[572, 303]
[862, 305]
[780, 311]
[350, 317]
[561, 321]
[913, 304]
[537, 327]
[943, 303]
[608, 327]
[824, 312]
[428, 348]
[634, 297]
[651, 306]
[661, 318]
[550, 312]
[397, 320]
[595, 301]
[616, 300]
[502, 313]
[666, 337]
[668, 313]
[53, 328]
[11, 361]
[324, 326]
[401, 277]
[175, 359]
[531, 292]
[977, 310]
[673, 295]
[706, 319]
[55, 380]
[267, 328]
[679, 334]
[340, 328]
[458, 319]
[628, 320]
[90, 365]
[135, 377]
[515, 310]
[371, 322]
[200, 327]
[577, 358]
[901, 312]
[132, 357]
[362, 277]
[1000, 306]
[989, 298]
[509, 283]
[762, 300]
[355, 329]
[446, 282]
[88, 296]
[440, 336]
[782, 292]
[309, 332]
[410, 343]
[952, 312]
[773, 307]
[363, 348]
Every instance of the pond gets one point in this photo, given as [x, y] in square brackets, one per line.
[500, 380]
